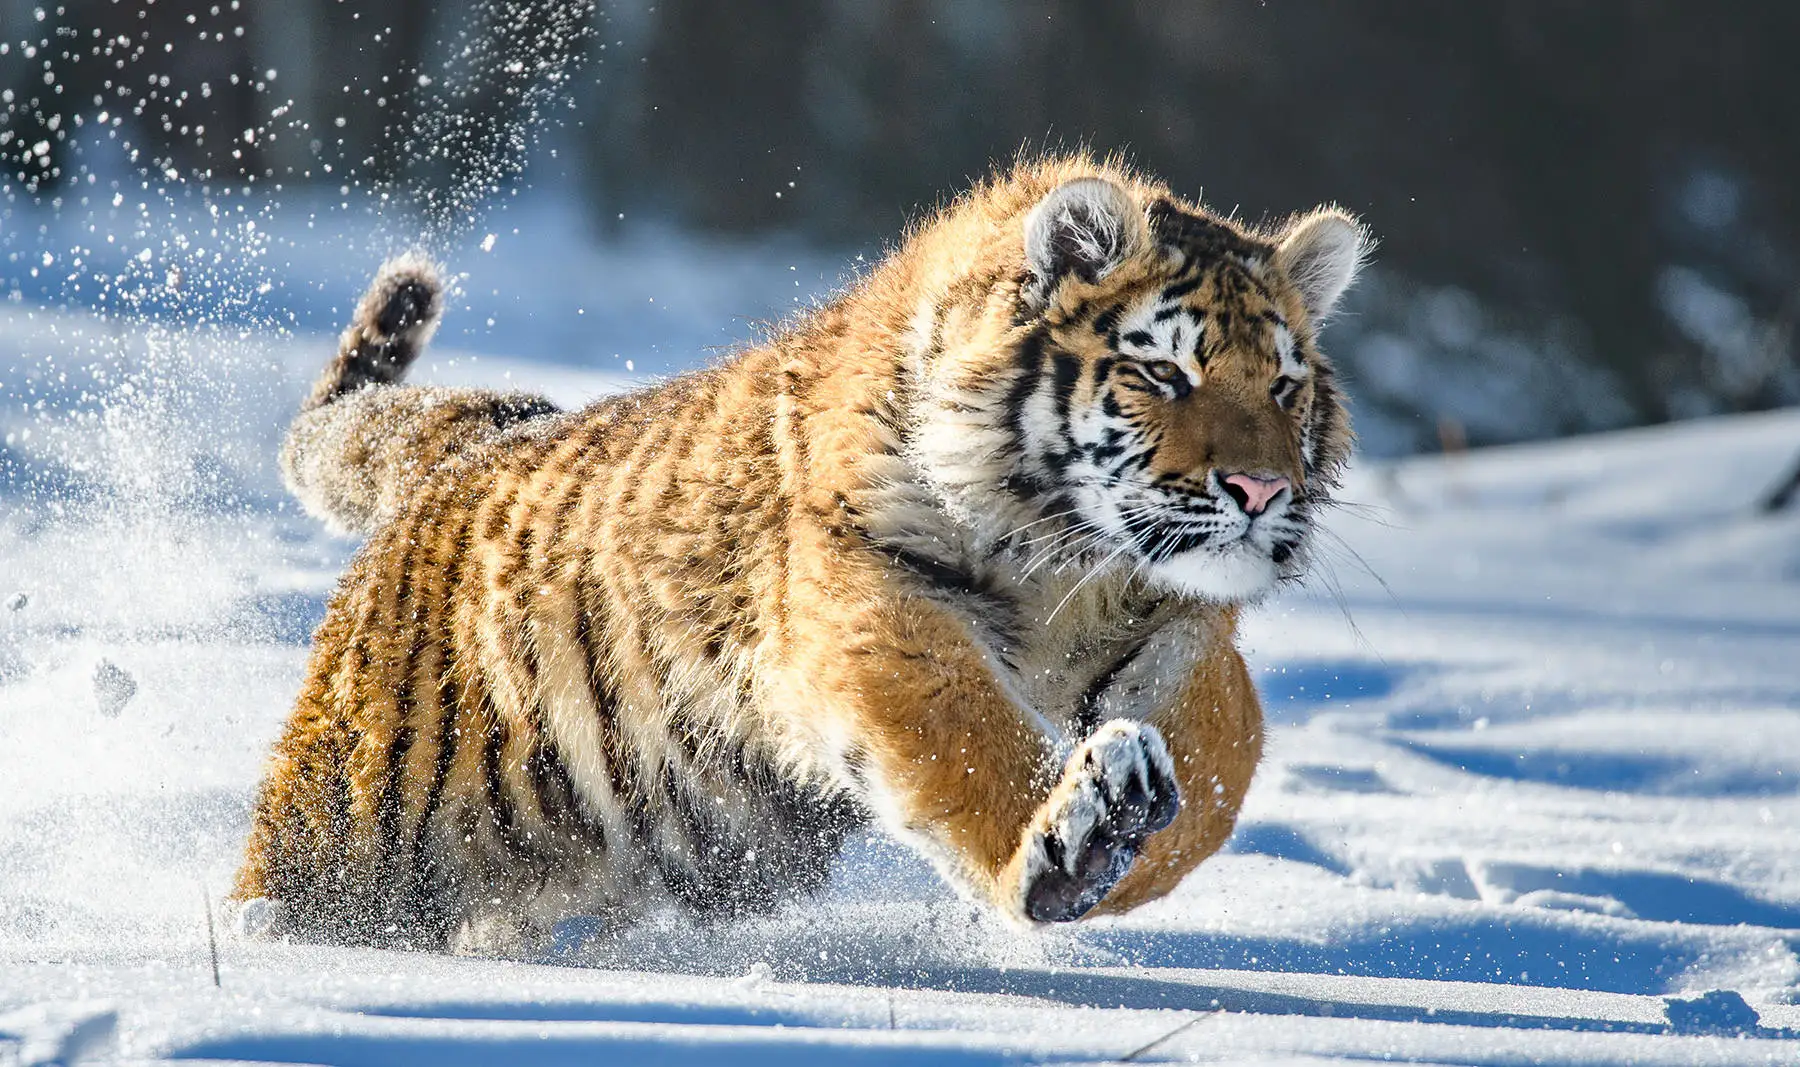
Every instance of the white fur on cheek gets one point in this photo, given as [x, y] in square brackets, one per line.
[1284, 353]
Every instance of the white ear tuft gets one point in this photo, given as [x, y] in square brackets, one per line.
[1084, 227]
[1321, 254]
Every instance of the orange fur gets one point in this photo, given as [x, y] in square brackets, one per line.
[671, 647]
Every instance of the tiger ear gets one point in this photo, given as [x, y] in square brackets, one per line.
[1085, 228]
[1321, 254]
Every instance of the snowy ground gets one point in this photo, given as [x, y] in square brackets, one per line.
[1523, 802]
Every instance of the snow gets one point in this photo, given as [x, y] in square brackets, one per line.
[1535, 733]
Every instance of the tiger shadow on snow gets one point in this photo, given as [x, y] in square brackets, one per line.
[944, 946]
[912, 933]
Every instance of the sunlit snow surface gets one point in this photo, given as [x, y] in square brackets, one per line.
[1519, 802]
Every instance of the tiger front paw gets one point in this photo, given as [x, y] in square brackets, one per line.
[1117, 789]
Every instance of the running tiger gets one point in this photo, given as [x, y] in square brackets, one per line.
[960, 551]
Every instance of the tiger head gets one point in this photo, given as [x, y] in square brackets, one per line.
[1163, 388]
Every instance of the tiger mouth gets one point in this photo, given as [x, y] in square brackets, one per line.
[1174, 537]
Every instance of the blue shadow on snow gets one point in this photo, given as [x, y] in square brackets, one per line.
[1295, 691]
[1622, 772]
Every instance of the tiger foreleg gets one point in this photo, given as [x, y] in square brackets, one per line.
[953, 762]
[1210, 720]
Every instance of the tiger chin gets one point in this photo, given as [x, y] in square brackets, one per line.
[959, 552]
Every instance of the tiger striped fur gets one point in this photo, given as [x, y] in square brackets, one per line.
[960, 551]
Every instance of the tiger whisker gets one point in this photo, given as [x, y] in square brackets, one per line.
[1080, 525]
[1375, 513]
[1085, 579]
[1016, 531]
[1326, 574]
[1071, 549]
[1082, 535]
[1362, 564]
[1077, 526]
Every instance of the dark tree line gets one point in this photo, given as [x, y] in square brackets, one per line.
[1610, 183]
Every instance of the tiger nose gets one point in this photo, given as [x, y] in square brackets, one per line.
[1252, 493]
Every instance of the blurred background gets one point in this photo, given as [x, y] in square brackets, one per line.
[1587, 210]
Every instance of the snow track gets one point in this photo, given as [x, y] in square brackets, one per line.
[1533, 806]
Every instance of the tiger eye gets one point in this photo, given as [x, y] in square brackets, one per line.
[1165, 372]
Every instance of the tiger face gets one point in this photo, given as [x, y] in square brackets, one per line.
[1172, 399]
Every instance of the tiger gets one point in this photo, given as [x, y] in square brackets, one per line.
[957, 554]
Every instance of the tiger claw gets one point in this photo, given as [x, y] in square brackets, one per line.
[1118, 789]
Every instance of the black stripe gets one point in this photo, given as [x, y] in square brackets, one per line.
[553, 807]
[1112, 445]
[942, 577]
[993, 612]
[1137, 378]
[620, 774]
[563, 508]
[1066, 372]
[447, 704]
[1251, 281]
[600, 688]
[440, 772]
[1029, 359]
[1201, 236]
[409, 620]
[497, 519]
[551, 777]
[708, 842]
[1087, 707]
[1141, 338]
[1183, 288]
[524, 540]
[1169, 541]
[584, 635]
[1108, 319]
[501, 812]
[508, 410]
[388, 807]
